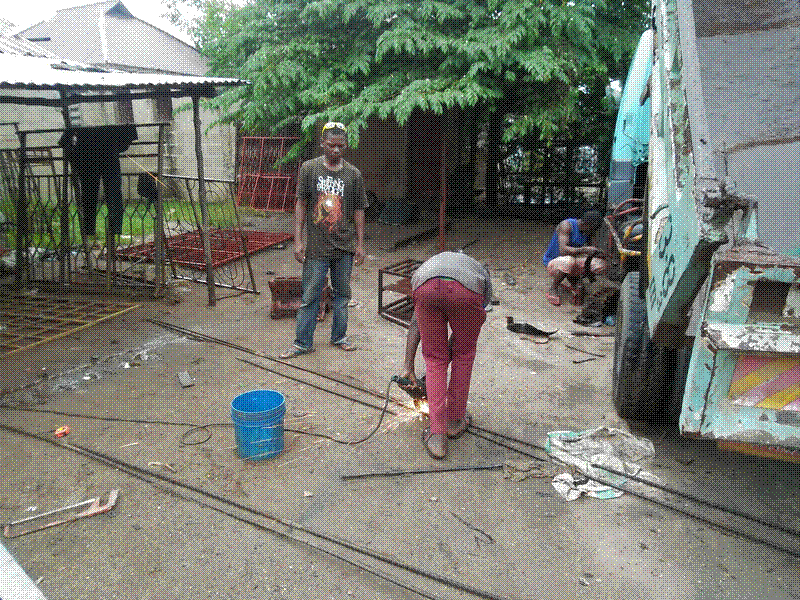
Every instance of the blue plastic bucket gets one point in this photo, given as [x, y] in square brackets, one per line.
[258, 420]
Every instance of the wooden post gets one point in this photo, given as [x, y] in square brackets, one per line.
[111, 255]
[22, 213]
[201, 192]
[65, 246]
[158, 229]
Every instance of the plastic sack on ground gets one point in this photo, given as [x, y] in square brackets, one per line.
[591, 450]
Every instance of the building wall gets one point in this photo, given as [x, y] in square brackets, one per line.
[219, 143]
[26, 118]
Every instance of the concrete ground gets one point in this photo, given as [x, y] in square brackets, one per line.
[478, 532]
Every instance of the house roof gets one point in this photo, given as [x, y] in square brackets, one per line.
[108, 34]
[14, 44]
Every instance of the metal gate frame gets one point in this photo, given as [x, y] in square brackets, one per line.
[47, 248]
[261, 184]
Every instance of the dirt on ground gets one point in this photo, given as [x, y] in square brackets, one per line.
[194, 520]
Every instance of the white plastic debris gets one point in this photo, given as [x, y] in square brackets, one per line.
[571, 488]
[589, 452]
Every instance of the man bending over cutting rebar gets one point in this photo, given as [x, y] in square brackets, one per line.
[451, 290]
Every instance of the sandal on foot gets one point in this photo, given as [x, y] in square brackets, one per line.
[345, 346]
[553, 298]
[435, 444]
[459, 427]
[294, 351]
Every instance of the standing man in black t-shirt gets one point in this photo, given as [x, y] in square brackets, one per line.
[330, 202]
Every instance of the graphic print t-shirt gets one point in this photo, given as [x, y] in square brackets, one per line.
[331, 198]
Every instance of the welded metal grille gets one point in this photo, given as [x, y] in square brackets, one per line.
[28, 320]
[261, 183]
[186, 249]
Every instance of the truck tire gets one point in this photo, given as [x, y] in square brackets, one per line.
[675, 391]
[639, 365]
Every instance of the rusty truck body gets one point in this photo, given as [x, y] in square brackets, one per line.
[708, 323]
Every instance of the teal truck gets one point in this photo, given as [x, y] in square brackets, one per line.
[707, 147]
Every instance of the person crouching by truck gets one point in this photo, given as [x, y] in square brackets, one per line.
[449, 289]
[565, 257]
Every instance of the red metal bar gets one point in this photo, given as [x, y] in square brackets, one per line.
[443, 200]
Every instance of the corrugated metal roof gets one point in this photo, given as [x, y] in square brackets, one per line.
[12, 44]
[34, 73]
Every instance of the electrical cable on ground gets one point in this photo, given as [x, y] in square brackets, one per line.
[384, 410]
[171, 483]
[481, 433]
[206, 427]
[97, 417]
[474, 429]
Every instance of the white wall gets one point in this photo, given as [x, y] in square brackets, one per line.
[218, 143]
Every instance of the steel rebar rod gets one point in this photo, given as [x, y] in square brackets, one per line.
[505, 440]
[171, 485]
[419, 471]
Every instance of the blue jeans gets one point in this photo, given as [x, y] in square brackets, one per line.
[315, 271]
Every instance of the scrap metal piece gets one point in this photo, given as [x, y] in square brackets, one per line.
[185, 379]
[93, 507]
[419, 471]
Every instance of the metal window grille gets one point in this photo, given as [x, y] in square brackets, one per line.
[261, 183]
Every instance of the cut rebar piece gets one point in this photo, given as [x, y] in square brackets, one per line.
[419, 471]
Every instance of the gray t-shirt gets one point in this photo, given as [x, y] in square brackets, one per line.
[331, 199]
[455, 265]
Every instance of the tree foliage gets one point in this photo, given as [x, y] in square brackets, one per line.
[540, 61]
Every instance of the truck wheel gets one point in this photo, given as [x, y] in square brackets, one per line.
[639, 365]
[674, 392]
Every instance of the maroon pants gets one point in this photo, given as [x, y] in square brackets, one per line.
[439, 303]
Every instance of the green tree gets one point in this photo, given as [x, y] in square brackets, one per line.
[531, 67]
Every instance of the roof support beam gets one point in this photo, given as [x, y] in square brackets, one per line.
[201, 192]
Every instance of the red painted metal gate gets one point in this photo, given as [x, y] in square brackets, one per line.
[261, 184]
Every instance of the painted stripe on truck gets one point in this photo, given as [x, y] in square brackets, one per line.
[766, 381]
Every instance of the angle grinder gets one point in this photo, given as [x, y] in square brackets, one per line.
[415, 390]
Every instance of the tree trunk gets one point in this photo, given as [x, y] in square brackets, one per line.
[494, 135]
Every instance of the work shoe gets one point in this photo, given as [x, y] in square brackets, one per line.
[455, 429]
[294, 351]
[435, 444]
